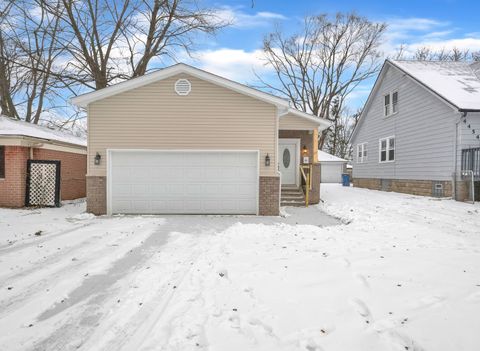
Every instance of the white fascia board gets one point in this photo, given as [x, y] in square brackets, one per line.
[321, 122]
[85, 99]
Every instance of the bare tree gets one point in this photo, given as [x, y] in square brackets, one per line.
[9, 86]
[165, 27]
[426, 53]
[337, 141]
[28, 52]
[113, 40]
[326, 59]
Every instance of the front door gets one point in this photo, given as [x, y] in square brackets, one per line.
[288, 155]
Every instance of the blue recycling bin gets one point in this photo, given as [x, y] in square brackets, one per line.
[345, 179]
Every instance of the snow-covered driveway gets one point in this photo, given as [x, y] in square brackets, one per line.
[400, 273]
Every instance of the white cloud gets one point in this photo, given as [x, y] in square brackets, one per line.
[414, 33]
[240, 19]
[414, 24]
[235, 64]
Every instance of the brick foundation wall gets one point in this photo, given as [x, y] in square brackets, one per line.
[269, 196]
[406, 186]
[12, 187]
[73, 169]
[97, 195]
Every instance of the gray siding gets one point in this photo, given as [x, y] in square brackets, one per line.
[466, 139]
[423, 129]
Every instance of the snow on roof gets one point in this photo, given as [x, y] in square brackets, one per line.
[456, 82]
[326, 157]
[11, 127]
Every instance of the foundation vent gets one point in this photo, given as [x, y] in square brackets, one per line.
[183, 87]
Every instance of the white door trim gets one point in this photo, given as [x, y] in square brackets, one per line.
[297, 152]
[109, 168]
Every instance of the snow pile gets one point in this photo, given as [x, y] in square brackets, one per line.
[402, 275]
[12, 127]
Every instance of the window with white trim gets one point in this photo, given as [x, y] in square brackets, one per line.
[390, 103]
[361, 153]
[387, 149]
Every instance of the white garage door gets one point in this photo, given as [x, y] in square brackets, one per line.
[331, 173]
[177, 182]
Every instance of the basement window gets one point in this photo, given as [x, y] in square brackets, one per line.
[2, 162]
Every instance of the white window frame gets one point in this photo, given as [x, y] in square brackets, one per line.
[388, 149]
[363, 147]
[390, 104]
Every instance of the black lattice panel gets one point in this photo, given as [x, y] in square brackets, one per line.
[43, 185]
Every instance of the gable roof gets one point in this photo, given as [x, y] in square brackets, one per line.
[86, 99]
[11, 128]
[456, 83]
[326, 157]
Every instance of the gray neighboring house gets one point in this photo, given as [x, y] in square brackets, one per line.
[419, 132]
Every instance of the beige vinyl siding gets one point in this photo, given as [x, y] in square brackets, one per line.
[292, 122]
[155, 117]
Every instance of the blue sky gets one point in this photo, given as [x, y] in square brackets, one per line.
[236, 51]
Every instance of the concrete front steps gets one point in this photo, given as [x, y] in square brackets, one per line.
[292, 196]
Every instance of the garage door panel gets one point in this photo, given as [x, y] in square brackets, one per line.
[216, 182]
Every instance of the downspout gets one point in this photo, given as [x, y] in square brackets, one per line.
[455, 155]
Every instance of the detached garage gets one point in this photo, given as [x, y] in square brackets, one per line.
[331, 166]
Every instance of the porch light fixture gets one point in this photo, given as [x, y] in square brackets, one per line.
[267, 160]
[304, 150]
[97, 159]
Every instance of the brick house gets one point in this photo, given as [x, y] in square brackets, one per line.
[21, 141]
[185, 141]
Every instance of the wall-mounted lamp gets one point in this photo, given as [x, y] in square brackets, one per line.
[97, 159]
[304, 150]
[267, 160]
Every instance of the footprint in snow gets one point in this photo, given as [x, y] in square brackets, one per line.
[360, 307]
[311, 345]
[362, 280]
[401, 341]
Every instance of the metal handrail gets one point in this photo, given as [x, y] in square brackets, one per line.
[308, 181]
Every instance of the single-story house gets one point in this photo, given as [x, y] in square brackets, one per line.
[331, 166]
[185, 141]
[22, 143]
[419, 132]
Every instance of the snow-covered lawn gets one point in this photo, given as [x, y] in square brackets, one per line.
[401, 273]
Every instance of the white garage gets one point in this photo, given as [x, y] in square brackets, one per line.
[331, 167]
[182, 182]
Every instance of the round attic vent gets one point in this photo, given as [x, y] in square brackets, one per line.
[183, 87]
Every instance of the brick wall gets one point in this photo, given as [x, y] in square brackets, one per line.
[97, 195]
[406, 186]
[73, 169]
[269, 196]
[12, 187]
